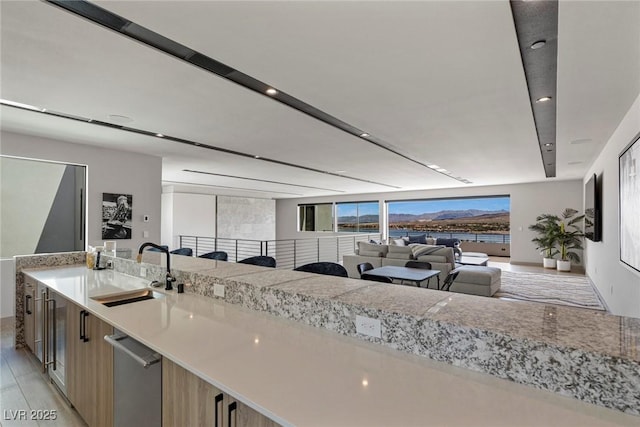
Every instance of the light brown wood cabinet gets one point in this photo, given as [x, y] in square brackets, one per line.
[89, 367]
[189, 401]
[30, 288]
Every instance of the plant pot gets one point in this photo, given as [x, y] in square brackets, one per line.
[549, 262]
[564, 265]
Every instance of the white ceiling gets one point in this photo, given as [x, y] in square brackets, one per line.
[440, 81]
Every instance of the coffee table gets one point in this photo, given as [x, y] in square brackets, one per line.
[416, 275]
[472, 260]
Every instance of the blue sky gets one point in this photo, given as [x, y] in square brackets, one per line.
[428, 206]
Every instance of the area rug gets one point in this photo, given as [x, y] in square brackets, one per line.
[574, 291]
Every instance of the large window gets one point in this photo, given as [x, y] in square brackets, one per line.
[318, 217]
[358, 217]
[473, 218]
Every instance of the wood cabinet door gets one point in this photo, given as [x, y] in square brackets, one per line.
[89, 367]
[99, 373]
[187, 400]
[74, 356]
[237, 414]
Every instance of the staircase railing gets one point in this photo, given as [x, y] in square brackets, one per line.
[289, 253]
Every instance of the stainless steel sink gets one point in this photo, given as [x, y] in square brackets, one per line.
[127, 297]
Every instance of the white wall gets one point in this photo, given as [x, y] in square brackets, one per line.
[108, 171]
[188, 214]
[618, 284]
[527, 202]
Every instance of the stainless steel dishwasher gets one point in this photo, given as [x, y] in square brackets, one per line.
[137, 382]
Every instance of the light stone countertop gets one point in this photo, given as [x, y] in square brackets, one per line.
[306, 376]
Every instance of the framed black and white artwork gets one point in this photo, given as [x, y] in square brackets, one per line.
[630, 204]
[116, 216]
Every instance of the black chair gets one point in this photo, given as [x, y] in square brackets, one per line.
[152, 249]
[219, 255]
[419, 264]
[263, 261]
[182, 251]
[365, 266]
[327, 268]
[376, 278]
[450, 243]
[449, 280]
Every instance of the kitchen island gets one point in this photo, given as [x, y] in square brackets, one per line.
[295, 374]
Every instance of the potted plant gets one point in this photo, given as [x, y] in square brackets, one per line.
[569, 238]
[546, 227]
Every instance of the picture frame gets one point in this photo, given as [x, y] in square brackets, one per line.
[117, 212]
[629, 204]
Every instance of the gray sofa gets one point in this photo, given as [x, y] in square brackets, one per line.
[440, 257]
[474, 280]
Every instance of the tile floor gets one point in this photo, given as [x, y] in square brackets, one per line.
[24, 387]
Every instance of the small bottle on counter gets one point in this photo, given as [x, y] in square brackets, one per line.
[98, 251]
[91, 257]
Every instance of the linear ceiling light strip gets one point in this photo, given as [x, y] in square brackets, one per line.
[536, 25]
[130, 29]
[261, 180]
[187, 142]
[166, 182]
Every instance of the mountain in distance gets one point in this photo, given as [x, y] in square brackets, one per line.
[429, 216]
[443, 215]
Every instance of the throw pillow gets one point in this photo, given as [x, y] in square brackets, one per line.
[400, 250]
[420, 238]
[399, 242]
[418, 249]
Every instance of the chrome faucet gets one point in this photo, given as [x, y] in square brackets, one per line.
[169, 278]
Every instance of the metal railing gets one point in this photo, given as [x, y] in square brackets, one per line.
[289, 253]
[464, 237]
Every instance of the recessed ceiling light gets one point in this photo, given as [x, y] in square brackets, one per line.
[544, 99]
[538, 44]
[271, 91]
[548, 144]
[340, 171]
[433, 166]
[119, 118]
[256, 157]
[575, 162]
[159, 135]
[364, 134]
[441, 170]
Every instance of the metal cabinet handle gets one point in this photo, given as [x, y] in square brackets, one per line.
[26, 304]
[146, 361]
[231, 409]
[218, 401]
[85, 337]
[45, 330]
[54, 362]
[81, 325]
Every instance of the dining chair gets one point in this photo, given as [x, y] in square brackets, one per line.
[182, 251]
[449, 280]
[326, 268]
[218, 255]
[376, 278]
[419, 264]
[365, 266]
[261, 260]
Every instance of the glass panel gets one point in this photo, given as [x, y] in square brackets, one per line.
[474, 218]
[358, 217]
[317, 217]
